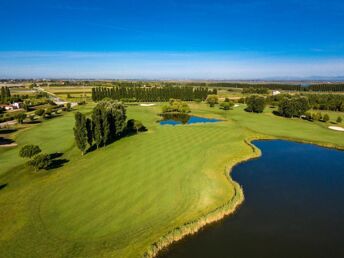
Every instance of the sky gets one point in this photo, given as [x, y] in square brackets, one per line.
[171, 39]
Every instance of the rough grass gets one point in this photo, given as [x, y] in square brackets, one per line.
[121, 199]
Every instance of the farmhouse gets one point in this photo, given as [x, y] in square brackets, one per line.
[13, 106]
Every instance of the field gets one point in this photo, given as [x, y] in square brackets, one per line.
[117, 201]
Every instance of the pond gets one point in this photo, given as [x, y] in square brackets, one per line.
[294, 196]
[178, 119]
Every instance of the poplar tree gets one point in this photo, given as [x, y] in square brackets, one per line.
[80, 132]
[89, 128]
[97, 126]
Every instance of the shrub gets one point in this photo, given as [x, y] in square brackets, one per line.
[326, 118]
[339, 120]
[212, 100]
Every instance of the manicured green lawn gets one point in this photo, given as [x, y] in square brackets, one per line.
[117, 201]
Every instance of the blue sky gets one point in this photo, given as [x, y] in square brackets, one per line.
[171, 39]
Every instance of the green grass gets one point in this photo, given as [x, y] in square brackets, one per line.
[117, 201]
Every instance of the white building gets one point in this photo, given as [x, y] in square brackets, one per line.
[275, 92]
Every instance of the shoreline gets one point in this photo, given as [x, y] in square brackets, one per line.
[228, 208]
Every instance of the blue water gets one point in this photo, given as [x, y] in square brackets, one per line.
[294, 207]
[189, 120]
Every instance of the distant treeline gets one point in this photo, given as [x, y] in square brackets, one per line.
[151, 94]
[326, 87]
[330, 87]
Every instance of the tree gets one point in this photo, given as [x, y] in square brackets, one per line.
[40, 161]
[26, 105]
[68, 106]
[97, 126]
[135, 126]
[255, 104]
[39, 112]
[212, 100]
[89, 129]
[308, 116]
[29, 150]
[326, 118]
[226, 105]
[176, 105]
[48, 112]
[80, 132]
[20, 117]
[339, 120]
[293, 106]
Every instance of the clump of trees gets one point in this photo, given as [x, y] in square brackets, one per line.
[176, 106]
[227, 104]
[255, 104]
[108, 124]
[135, 126]
[252, 90]
[293, 106]
[37, 160]
[20, 117]
[5, 95]
[212, 100]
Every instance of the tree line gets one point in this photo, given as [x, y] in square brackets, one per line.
[333, 102]
[251, 90]
[106, 125]
[332, 87]
[151, 94]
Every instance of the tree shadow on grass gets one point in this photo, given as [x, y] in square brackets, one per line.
[56, 162]
[4, 141]
[7, 131]
[33, 122]
[2, 186]
[55, 155]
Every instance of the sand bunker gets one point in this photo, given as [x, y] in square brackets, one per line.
[336, 128]
[147, 105]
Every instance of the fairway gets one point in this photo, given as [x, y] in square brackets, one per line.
[119, 200]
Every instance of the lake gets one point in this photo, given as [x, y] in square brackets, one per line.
[178, 119]
[294, 207]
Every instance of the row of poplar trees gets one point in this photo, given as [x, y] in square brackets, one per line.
[5, 95]
[152, 94]
[106, 125]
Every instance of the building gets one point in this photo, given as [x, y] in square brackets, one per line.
[275, 92]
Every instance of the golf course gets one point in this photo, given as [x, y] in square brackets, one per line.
[139, 194]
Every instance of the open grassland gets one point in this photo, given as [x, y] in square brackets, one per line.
[118, 200]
